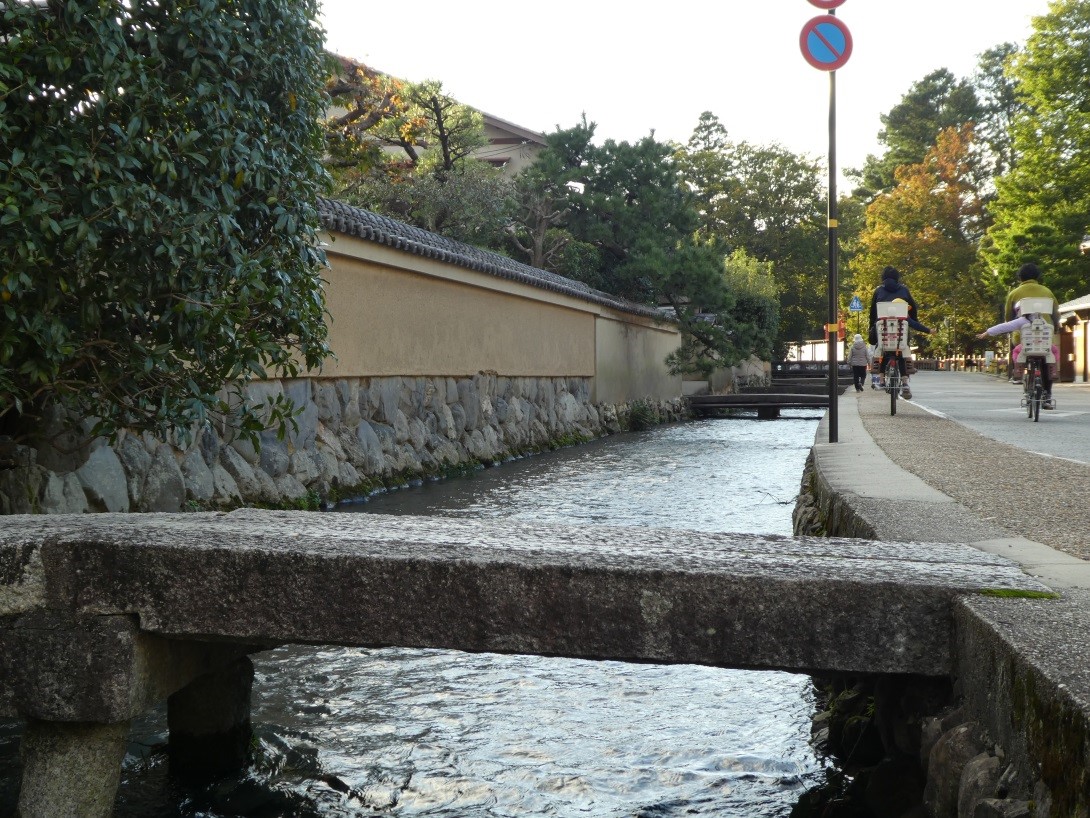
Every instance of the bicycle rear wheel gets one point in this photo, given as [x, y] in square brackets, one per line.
[893, 384]
[1027, 389]
[1038, 394]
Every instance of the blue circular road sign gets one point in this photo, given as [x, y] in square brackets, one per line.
[826, 42]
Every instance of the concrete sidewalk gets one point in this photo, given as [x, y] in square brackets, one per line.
[901, 506]
[1023, 665]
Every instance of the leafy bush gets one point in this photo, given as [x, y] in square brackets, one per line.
[158, 184]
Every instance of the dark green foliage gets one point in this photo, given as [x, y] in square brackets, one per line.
[772, 204]
[622, 218]
[999, 105]
[935, 103]
[540, 205]
[633, 209]
[1042, 211]
[158, 185]
[741, 319]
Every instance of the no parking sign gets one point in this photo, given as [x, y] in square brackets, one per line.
[825, 41]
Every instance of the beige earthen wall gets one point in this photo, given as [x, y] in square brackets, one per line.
[395, 313]
[630, 359]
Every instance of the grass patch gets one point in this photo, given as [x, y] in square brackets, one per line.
[1015, 593]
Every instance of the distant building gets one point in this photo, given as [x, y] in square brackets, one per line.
[510, 146]
[1075, 340]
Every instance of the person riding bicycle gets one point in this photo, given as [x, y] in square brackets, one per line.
[1031, 287]
[1024, 319]
[891, 289]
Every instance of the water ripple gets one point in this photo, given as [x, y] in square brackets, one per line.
[346, 733]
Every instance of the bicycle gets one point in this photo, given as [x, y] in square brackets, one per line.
[893, 382]
[1036, 348]
[1033, 387]
[891, 331]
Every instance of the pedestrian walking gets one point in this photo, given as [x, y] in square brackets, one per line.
[859, 359]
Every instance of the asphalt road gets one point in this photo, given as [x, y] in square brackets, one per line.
[989, 405]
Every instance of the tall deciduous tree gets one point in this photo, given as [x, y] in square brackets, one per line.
[1042, 211]
[158, 183]
[927, 227]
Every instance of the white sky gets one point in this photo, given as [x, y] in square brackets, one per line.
[634, 67]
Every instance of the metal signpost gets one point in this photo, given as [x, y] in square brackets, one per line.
[826, 44]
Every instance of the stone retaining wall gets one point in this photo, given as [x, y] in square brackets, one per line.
[354, 436]
[966, 767]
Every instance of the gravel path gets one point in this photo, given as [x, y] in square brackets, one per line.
[986, 476]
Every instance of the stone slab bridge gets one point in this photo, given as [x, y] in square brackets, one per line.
[103, 616]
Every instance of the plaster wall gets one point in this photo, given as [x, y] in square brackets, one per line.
[391, 319]
[629, 360]
[394, 313]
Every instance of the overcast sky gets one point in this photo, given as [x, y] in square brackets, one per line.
[637, 67]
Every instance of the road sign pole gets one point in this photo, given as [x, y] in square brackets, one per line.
[826, 44]
[834, 359]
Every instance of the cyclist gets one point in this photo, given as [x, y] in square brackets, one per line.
[1030, 286]
[1012, 326]
[891, 289]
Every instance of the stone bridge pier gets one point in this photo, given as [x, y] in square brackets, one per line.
[79, 680]
[104, 616]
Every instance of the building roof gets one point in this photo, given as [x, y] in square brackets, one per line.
[363, 224]
[504, 125]
[1076, 305]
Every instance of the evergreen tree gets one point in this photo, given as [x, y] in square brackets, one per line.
[933, 104]
[999, 106]
[541, 202]
[405, 150]
[770, 203]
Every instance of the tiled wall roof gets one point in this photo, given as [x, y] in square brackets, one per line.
[354, 221]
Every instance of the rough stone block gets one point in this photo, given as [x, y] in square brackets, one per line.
[71, 769]
[948, 759]
[979, 780]
[104, 481]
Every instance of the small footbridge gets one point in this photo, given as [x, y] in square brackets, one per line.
[103, 616]
[788, 389]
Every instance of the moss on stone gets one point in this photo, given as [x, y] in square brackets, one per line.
[1017, 593]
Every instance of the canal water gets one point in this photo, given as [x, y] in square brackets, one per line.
[395, 732]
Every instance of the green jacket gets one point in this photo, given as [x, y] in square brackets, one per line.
[1030, 289]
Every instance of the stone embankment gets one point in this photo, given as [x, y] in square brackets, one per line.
[353, 436]
[1011, 738]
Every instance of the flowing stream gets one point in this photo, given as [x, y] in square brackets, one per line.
[397, 732]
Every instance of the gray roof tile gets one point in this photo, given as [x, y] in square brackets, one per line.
[354, 221]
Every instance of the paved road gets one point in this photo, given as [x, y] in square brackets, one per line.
[989, 406]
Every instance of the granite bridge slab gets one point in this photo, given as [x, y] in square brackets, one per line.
[102, 616]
